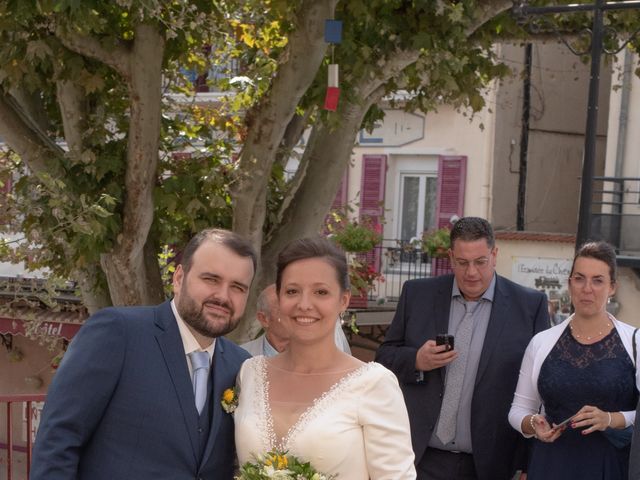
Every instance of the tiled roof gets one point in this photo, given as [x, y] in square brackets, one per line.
[535, 236]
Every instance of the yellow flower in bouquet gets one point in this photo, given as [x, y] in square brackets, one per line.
[277, 465]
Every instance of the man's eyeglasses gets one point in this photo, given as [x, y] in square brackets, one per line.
[479, 263]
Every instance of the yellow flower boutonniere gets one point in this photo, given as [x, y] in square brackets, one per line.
[229, 400]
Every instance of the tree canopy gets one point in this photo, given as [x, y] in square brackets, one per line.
[116, 159]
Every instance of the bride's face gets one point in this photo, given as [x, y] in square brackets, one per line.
[311, 299]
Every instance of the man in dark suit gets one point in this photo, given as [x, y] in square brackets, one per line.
[458, 399]
[123, 404]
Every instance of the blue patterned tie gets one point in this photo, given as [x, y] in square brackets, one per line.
[200, 367]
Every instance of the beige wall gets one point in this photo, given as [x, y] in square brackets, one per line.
[35, 362]
[623, 151]
[559, 90]
[628, 296]
[628, 292]
[446, 132]
[510, 249]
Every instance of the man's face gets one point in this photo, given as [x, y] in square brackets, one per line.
[277, 332]
[212, 295]
[474, 264]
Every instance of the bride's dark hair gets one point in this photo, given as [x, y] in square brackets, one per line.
[314, 247]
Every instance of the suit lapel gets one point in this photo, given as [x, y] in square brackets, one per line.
[497, 321]
[220, 382]
[170, 343]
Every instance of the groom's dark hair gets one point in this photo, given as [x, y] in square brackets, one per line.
[229, 239]
[314, 247]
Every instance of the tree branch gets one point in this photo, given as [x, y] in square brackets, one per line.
[24, 136]
[143, 137]
[117, 57]
[71, 101]
[298, 67]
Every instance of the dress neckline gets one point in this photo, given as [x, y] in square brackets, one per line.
[311, 412]
[597, 342]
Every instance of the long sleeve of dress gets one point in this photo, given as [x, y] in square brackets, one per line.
[385, 423]
[526, 400]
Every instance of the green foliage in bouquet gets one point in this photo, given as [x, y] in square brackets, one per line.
[277, 465]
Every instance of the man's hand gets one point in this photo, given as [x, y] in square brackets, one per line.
[431, 356]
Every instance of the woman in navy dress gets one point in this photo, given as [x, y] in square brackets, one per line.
[583, 370]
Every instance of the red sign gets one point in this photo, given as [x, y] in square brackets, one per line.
[57, 329]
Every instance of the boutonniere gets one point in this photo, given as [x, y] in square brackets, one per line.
[229, 400]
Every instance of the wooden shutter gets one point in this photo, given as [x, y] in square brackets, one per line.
[374, 171]
[452, 175]
[372, 187]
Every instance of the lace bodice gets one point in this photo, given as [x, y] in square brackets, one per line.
[574, 374]
[357, 427]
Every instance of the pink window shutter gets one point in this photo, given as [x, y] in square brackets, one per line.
[452, 175]
[372, 189]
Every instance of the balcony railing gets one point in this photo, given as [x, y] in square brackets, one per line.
[399, 261]
[16, 444]
[616, 213]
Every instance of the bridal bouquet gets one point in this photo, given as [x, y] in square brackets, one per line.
[280, 466]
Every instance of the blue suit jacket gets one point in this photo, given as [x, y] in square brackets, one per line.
[121, 405]
[517, 314]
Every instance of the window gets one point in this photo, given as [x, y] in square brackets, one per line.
[418, 194]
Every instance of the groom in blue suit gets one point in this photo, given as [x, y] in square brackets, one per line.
[458, 399]
[122, 404]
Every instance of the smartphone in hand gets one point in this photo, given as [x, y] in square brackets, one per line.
[445, 339]
[562, 423]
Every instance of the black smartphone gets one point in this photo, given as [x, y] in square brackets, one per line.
[445, 339]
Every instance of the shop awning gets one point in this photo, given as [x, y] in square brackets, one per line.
[59, 324]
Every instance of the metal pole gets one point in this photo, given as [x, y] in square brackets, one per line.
[588, 164]
[524, 138]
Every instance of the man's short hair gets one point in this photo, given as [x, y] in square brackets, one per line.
[470, 229]
[229, 239]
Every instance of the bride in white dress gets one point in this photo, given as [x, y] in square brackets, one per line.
[346, 417]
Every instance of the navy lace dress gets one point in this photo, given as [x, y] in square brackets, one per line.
[574, 375]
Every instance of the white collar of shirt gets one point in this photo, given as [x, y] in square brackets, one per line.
[189, 342]
[267, 349]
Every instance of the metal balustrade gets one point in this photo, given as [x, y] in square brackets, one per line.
[615, 215]
[10, 447]
[399, 261]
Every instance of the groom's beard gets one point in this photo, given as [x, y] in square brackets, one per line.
[209, 324]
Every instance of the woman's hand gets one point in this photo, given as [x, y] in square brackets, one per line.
[538, 426]
[543, 431]
[592, 419]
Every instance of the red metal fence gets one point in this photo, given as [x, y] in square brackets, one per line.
[10, 404]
